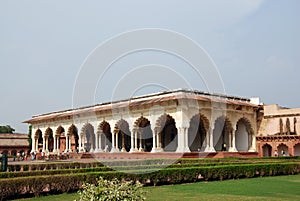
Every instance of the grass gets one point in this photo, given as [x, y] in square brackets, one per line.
[264, 188]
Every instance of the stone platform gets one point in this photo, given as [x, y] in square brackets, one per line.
[161, 155]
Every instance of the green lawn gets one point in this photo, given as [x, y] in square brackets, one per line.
[265, 188]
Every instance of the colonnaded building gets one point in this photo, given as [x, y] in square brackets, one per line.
[178, 121]
[279, 132]
[13, 143]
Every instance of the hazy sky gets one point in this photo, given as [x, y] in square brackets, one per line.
[254, 43]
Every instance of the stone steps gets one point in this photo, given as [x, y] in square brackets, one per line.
[166, 155]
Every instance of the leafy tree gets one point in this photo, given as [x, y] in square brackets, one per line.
[6, 129]
[29, 136]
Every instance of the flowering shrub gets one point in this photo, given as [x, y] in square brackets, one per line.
[111, 190]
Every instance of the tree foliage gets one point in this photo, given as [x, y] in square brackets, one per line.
[29, 135]
[6, 129]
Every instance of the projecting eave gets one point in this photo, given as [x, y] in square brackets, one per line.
[145, 100]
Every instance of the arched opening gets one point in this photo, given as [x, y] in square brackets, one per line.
[145, 135]
[122, 135]
[73, 134]
[105, 136]
[88, 137]
[39, 136]
[199, 126]
[243, 134]
[222, 130]
[61, 142]
[297, 149]
[50, 139]
[267, 150]
[283, 150]
[167, 133]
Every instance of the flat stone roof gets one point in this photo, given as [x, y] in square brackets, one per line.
[275, 110]
[13, 140]
[147, 99]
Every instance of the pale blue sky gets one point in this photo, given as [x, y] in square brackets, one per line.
[255, 44]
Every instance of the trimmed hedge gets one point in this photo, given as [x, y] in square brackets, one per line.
[9, 188]
[51, 166]
[148, 162]
[52, 172]
[101, 169]
[75, 165]
[104, 169]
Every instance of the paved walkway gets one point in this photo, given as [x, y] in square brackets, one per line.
[85, 160]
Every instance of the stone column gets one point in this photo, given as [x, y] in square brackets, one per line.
[154, 132]
[204, 143]
[180, 139]
[114, 138]
[159, 144]
[105, 142]
[33, 131]
[233, 148]
[97, 142]
[83, 143]
[186, 142]
[44, 144]
[54, 143]
[132, 141]
[211, 138]
[123, 141]
[117, 142]
[79, 143]
[37, 144]
[135, 140]
[230, 141]
[47, 144]
[70, 147]
[92, 142]
[113, 146]
[100, 142]
[33, 145]
[206, 149]
[57, 144]
[210, 147]
[252, 147]
[141, 142]
[67, 144]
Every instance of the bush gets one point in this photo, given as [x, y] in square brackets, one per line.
[51, 172]
[111, 190]
[28, 184]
